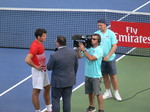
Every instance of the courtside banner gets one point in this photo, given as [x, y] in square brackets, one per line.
[131, 34]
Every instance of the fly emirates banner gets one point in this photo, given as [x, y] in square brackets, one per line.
[131, 34]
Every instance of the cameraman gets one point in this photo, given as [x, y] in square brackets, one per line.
[93, 58]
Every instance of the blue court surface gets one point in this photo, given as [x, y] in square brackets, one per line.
[14, 70]
[15, 81]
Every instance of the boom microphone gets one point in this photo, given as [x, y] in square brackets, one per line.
[77, 37]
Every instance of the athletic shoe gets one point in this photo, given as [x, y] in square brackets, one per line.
[107, 95]
[90, 109]
[117, 97]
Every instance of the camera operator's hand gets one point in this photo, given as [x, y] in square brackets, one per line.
[81, 46]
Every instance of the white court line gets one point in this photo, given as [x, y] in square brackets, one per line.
[83, 82]
[122, 55]
[125, 55]
[134, 10]
[141, 6]
[15, 86]
[72, 91]
[108, 26]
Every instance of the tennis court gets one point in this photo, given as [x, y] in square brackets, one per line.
[17, 32]
[133, 76]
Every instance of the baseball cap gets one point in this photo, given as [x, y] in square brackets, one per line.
[102, 20]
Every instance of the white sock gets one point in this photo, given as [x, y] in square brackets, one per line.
[37, 110]
[49, 107]
[108, 91]
[116, 91]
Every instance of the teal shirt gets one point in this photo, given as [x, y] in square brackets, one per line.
[107, 40]
[93, 68]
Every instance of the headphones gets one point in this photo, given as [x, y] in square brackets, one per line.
[99, 37]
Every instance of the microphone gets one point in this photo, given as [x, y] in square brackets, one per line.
[77, 37]
[56, 49]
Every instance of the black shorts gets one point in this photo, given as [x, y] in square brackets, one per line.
[109, 67]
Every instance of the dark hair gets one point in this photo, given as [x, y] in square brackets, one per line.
[99, 37]
[61, 40]
[39, 32]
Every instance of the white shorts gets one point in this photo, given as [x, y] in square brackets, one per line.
[40, 79]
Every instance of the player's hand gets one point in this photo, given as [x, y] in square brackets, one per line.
[39, 68]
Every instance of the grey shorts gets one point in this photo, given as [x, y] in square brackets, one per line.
[109, 67]
[92, 85]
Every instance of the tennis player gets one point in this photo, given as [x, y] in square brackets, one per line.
[37, 60]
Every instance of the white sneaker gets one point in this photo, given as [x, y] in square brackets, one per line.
[117, 96]
[107, 95]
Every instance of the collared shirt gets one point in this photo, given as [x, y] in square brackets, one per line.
[93, 68]
[61, 47]
[39, 57]
[107, 40]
